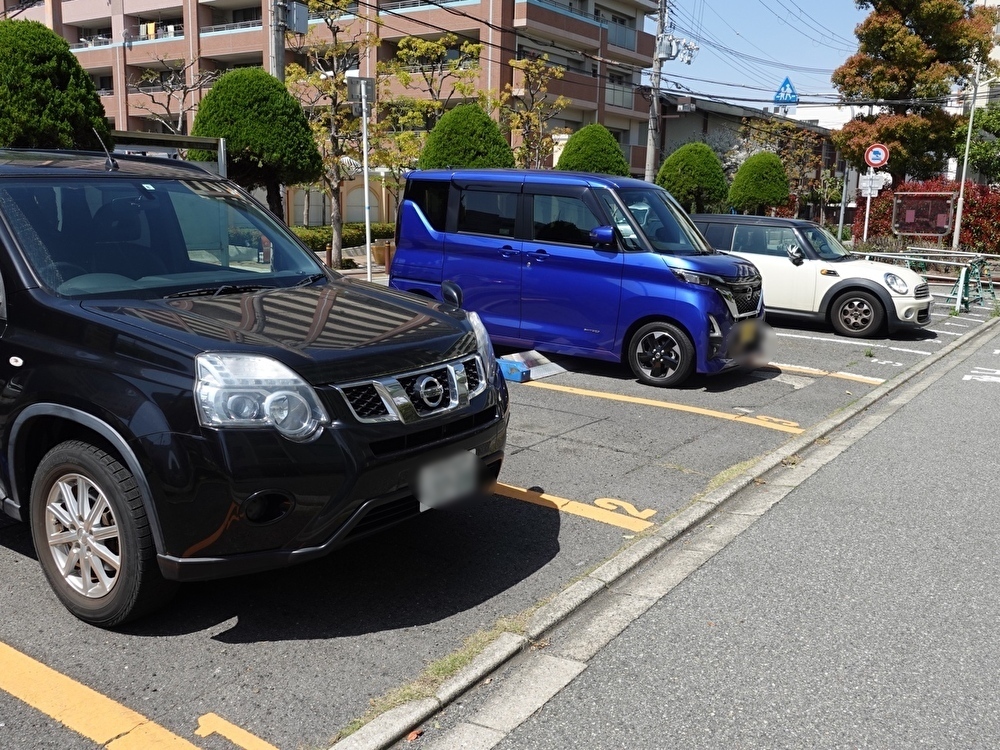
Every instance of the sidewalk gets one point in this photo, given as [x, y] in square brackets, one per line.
[846, 599]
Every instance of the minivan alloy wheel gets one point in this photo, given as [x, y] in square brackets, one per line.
[83, 536]
[661, 354]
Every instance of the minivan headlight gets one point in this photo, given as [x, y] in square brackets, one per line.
[702, 279]
[484, 345]
[896, 284]
[245, 390]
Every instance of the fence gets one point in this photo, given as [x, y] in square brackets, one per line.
[973, 282]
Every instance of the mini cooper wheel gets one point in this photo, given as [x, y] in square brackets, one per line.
[857, 314]
[92, 536]
[661, 354]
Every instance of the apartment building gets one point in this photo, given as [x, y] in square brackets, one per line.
[600, 43]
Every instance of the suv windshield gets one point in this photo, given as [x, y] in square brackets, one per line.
[149, 237]
[664, 223]
[825, 244]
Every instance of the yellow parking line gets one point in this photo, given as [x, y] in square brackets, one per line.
[81, 709]
[571, 506]
[210, 724]
[824, 373]
[770, 423]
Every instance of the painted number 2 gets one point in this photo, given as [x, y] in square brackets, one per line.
[607, 503]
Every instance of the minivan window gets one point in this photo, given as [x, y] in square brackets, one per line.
[431, 197]
[630, 239]
[666, 226]
[562, 218]
[487, 212]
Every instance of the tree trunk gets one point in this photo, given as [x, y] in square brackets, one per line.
[274, 203]
[335, 255]
[305, 207]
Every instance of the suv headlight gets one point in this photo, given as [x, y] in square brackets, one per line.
[246, 390]
[484, 345]
[896, 284]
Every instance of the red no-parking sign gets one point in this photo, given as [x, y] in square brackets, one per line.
[876, 155]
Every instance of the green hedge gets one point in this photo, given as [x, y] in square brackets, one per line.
[352, 235]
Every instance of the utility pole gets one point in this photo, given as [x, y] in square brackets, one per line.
[668, 47]
[653, 132]
[277, 57]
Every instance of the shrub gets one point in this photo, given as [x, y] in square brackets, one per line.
[760, 183]
[465, 137]
[693, 175]
[317, 238]
[47, 100]
[593, 149]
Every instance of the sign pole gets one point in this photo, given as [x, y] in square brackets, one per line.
[868, 203]
[364, 168]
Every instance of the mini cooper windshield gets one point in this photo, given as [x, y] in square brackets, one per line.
[151, 238]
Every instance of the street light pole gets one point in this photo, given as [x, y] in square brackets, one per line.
[965, 162]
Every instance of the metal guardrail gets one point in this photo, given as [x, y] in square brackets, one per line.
[974, 282]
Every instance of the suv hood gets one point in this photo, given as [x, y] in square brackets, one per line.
[344, 330]
[729, 267]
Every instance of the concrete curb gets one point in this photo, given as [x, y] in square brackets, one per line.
[386, 729]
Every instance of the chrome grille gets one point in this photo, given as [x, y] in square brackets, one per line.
[365, 401]
[398, 398]
[411, 385]
[921, 290]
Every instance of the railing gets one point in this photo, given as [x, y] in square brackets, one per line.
[619, 95]
[105, 92]
[241, 26]
[564, 8]
[349, 10]
[621, 36]
[401, 4]
[94, 41]
[143, 33]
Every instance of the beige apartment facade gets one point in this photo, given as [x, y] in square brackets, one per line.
[600, 44]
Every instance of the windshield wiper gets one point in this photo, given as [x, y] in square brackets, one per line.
[311, 279]
[215, 291]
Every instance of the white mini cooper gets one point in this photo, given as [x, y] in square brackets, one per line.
[808, 274]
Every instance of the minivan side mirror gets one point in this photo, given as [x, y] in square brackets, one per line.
[795, 254]
[602, 236]
[451, 293]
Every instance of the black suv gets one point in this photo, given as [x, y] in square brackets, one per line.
[187, 393]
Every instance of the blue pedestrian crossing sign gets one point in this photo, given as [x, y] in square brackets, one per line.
[786, 93]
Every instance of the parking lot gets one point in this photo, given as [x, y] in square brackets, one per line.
[286, 659]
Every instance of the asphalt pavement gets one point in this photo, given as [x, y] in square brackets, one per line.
[846, 598]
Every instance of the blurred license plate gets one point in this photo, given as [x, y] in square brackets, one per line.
[748, 331]
[448, 480]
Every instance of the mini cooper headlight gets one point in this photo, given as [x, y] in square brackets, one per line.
[896, 284]
[243, 390]
[484, 345]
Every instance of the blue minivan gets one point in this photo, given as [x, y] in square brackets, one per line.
[580, 264]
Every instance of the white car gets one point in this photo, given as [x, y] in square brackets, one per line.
[808, 274]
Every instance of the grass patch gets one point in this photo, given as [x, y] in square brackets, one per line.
[869, 352]
[727, 475]
[437, 672]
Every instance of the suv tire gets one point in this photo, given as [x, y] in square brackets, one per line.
[92, 536]
[857, 314]
[661, 354]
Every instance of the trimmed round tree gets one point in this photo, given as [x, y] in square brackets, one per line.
[760, 183]
[466, 136]
[693, 175]
[47, 100]
[268, 140]
[593, 149]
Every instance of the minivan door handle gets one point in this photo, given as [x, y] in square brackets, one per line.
[539, 255]
[508, 252]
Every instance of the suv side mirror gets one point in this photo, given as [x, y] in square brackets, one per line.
[795, 254]
[602, 236]
[451, 293]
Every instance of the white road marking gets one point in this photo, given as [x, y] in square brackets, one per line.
[850, 342]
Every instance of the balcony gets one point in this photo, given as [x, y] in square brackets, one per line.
[621, 36]
[405, 4]
[151, 32]
[94, 41]
[224, 27]
[620, 95]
